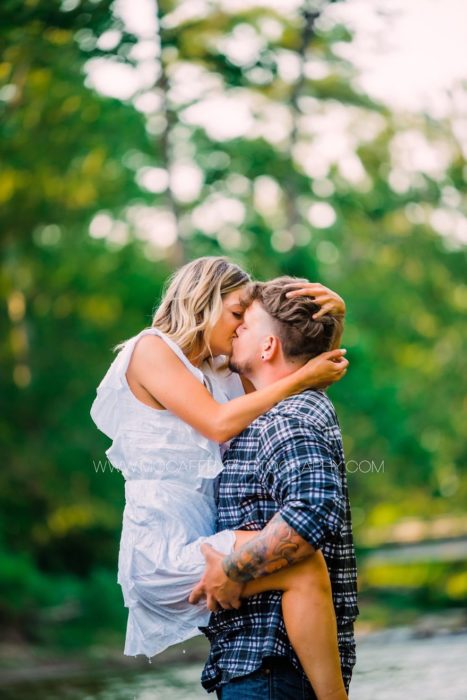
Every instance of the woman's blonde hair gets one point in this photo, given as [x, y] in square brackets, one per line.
[192, 301]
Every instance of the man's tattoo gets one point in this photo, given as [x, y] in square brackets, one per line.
[276, 546]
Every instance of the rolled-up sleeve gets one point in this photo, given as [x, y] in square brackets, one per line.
[295, 464]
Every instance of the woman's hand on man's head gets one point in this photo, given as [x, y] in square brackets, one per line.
[329, 302]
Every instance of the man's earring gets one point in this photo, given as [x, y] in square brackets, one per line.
[262, 357]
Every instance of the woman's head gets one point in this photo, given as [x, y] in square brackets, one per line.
[201, 307]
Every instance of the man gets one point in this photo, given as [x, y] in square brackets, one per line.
[284, 475]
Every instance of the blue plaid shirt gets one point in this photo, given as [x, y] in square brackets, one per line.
[289, 460]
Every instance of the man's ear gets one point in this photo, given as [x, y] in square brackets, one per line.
[271, 347]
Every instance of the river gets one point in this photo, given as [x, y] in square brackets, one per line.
[392, 665]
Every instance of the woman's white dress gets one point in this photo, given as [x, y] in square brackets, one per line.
[169, 470]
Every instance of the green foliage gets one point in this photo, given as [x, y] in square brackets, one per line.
[69, 155]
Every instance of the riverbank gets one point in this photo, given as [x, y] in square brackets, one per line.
[392, 665]
[26, 664]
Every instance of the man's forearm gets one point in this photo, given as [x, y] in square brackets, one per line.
[275, 547]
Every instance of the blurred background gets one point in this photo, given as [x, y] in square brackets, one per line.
[326, 140]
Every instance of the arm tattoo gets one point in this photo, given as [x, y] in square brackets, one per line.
[275, 547]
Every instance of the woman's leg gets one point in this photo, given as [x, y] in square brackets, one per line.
[309, 618]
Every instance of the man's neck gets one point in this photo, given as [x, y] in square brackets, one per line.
[269, 373]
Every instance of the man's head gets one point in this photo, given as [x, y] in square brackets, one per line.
[279, 334]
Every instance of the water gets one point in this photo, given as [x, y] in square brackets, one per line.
[391, 666]
[400, 668]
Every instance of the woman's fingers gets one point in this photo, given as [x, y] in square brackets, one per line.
[335, 354]
[323, 296]
[324, 309]
[340, 363]
[308, 286]
[312, 289]
[327, 368]
[340, 369]
[303, 292]
[338, 366]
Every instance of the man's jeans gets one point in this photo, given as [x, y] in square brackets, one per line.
[276, 680]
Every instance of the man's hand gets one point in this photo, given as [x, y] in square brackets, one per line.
[328, 301]
[215, 585]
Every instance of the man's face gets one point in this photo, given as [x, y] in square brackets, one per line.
[251, 336]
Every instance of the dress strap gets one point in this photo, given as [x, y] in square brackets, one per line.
[105, 408]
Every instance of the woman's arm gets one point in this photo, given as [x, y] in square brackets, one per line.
[160, 372]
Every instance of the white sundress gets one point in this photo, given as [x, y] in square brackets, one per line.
[169, 470]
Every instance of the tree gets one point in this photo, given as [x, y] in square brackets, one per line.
[229, 150]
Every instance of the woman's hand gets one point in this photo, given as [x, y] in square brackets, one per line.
[325, 369]
[328, 301]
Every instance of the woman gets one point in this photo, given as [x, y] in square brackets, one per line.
[168, 402]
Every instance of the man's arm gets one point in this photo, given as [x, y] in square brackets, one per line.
[275, 547]
[296, 467]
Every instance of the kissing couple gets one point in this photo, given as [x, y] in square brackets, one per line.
[237, 518]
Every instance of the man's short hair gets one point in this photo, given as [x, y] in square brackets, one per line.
[301, 336]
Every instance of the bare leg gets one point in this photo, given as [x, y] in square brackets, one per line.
[309, 618]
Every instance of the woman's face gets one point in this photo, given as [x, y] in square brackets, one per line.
[225, 329]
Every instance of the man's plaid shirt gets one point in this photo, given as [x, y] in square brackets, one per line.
[289, 460]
